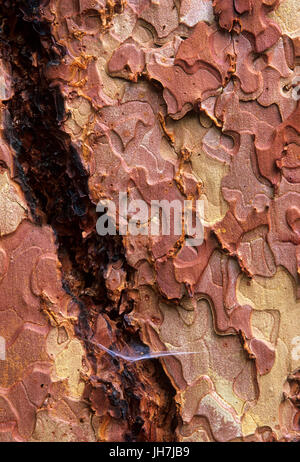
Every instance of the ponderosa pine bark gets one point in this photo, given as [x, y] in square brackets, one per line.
[120, 337]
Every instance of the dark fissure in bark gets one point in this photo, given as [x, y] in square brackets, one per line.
[56, 187]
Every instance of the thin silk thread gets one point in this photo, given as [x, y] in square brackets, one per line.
[132, 359]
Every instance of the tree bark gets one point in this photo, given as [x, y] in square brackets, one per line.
[124, 337]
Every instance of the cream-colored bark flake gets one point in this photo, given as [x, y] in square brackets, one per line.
[12, 208]
[287, 17]
[275, 319]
